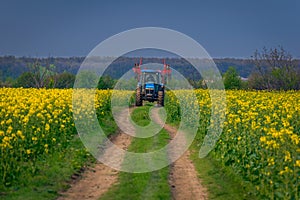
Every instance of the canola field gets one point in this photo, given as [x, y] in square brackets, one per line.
[260, 139]
[34, 123]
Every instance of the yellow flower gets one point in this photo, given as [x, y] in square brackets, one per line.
[25, 120]
[286, 170]
[295, 138]
[287, 157]
[9, 130]
[19, 133]
[263, 139]
[6, 139]
[9, 121]
[271, 161]
[297, 163]
[47, 127]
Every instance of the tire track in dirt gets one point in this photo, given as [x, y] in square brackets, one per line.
[97, 180]
[183, 178]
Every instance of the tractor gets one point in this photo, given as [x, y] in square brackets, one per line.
[151, 84]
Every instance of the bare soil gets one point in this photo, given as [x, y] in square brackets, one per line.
[95, 181]
[183, 177]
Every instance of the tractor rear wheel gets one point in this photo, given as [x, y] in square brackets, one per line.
[161, 97]
[138, 98]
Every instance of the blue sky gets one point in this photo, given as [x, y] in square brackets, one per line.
[225, 28]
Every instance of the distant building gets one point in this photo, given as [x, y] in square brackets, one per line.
[243, 78]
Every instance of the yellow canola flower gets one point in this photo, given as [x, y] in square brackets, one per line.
[47, 127]
[271, 161]
[295, 139]
[287, 157]
[263, 139]
[9, 121]
[9, 130]
[19, 133]
[5, 139]
[286, 170]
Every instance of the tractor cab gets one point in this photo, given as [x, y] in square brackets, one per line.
[151, 84]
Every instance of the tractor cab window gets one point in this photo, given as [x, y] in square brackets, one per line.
[151, 77]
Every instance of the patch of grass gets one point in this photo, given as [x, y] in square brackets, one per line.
[141, 115]
[222, 183]
[54, 170]
[151, 185]
[108, 124]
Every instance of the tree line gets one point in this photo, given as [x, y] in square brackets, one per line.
[46, 76]
[271, 69]
[275, 69]
[12, 67]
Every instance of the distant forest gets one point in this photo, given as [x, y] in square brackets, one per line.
[272, 69]
[12, 67]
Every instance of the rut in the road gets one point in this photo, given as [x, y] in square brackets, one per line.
[183, 178]
[97, 180]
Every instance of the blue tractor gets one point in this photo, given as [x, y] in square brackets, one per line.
[151, 84]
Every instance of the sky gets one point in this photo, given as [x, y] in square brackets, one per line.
[225, 28]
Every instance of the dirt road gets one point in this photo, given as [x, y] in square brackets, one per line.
[95, 181]
[183, 178]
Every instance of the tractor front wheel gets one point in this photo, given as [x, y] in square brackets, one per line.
[138, 97]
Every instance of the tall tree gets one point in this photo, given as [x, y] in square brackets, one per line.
[275, 69]
[232, 79]
[43, 76]
[64, 80]
[25, 80]
[86, 79]
[106, 82]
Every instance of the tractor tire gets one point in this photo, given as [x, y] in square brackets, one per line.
[138, 98]
[161, 98]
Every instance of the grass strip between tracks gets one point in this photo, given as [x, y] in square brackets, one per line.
[151, 185]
